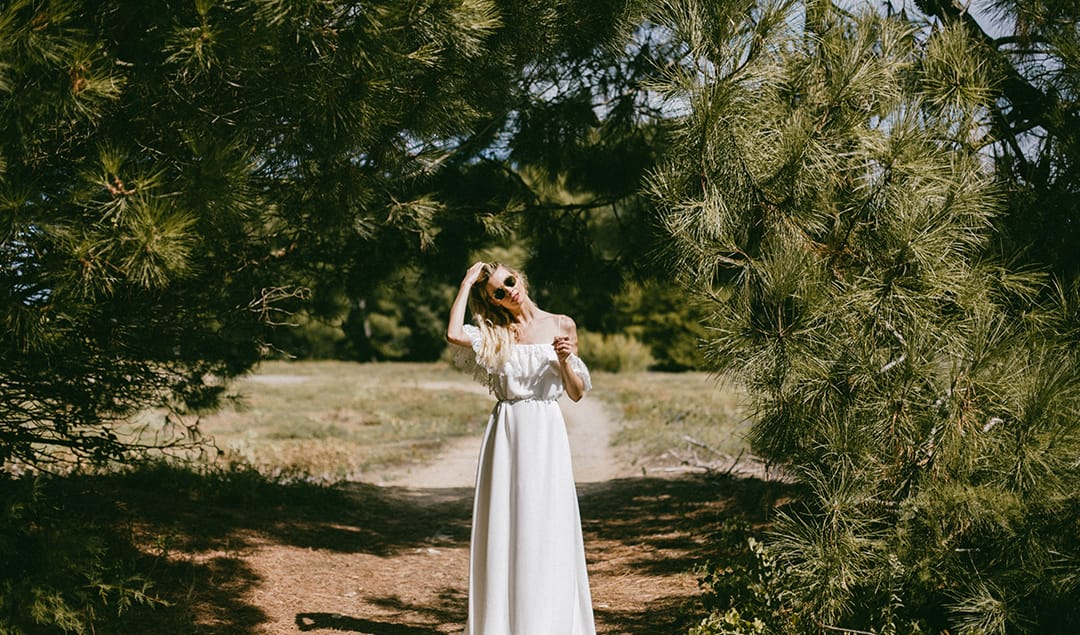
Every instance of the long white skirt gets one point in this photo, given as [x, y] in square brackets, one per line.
[527, 571]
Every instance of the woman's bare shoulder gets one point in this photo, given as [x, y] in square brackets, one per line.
[558, 317]
[557, 323]
[565, 322]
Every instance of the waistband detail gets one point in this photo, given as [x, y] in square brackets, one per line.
[525, 399]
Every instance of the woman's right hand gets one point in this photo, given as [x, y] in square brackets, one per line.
[472, 275]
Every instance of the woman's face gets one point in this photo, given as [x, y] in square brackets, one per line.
[505, 288]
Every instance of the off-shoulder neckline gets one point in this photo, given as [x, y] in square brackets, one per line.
[515, 344]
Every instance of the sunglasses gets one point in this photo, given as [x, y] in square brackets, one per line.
[500, 293]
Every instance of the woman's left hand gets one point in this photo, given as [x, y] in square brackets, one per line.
[564, 347]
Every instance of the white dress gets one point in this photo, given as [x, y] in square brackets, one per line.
[527, 559]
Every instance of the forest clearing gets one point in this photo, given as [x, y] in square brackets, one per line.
[240, 243]
[386, 551]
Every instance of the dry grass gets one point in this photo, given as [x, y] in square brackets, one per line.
[343, 421]
[336, 421]
[672, 418]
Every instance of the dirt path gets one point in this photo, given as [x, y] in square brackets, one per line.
[392, 558]
[639, 575]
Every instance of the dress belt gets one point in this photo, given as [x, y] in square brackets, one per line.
[524, 399]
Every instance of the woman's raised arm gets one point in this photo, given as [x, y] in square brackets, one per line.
[455, 332]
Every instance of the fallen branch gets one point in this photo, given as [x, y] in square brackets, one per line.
[692, 441]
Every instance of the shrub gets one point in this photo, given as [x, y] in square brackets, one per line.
[729, 622]
[614, 353]
[662, 315]
[739, 586]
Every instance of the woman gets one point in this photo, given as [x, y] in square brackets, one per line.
[527, 559]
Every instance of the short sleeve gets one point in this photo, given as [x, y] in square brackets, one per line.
[473, 333]
[465, 356]
[577, 365]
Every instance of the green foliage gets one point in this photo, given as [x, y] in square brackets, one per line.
[311, 335]
[613, 353]
[829, 196]
[730, 622]
[738, 586]
[1033, 53]
[663, 316]
[59, 570]
[404, 318]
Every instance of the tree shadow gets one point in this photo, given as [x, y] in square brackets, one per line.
[667, 524]
[329, 621]
[191, 531]
[650, 618]
[675, 514]
[228, 510]
[188, 532]
[450, 607]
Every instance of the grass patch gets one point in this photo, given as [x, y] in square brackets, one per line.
[661, 411]
[342, 421]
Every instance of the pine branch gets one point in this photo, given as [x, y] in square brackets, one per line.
[1031, 104]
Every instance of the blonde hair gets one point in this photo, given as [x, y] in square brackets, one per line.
[498, 329]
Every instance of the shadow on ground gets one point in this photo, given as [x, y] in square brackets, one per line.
[192, 531]
[342, 623]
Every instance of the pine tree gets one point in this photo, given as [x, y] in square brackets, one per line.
[830, 192]
[176, 178]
